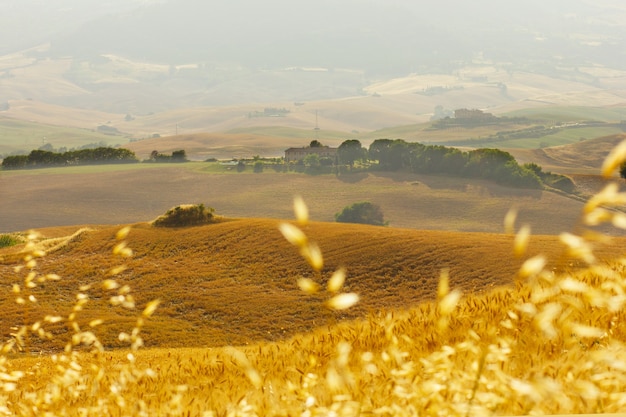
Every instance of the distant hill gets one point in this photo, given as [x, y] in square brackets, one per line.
[155, 66]
[390, 38]
[585, 156]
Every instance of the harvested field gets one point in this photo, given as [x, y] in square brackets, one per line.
[114, 195]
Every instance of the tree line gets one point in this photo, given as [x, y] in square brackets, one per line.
[491, 164]
[40, 158]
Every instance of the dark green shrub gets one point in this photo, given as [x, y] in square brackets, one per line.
[186, 215]
[258, 167]
[363, 213]
[326, 161]
[179, 156]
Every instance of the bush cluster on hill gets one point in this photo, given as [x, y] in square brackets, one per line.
[42, 158]
[185, 215]
[363, 213]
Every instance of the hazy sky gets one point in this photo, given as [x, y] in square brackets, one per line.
[25, 23]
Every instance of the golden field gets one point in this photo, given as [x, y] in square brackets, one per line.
[234, 282]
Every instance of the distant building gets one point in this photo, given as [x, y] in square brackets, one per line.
[296, 154]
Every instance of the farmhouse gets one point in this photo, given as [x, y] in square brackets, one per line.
[296, 154]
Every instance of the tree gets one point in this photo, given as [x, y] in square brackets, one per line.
[363, 213]
[326, 161]
[179, 156]
[350, 151]
[15, 162]
[312, 160]
[379, 151]
[315, 144]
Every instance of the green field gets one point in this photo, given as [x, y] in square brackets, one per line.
[563, 136]
[573, 113]
[22, 136]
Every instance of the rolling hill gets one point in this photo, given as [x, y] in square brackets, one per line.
[234, 282]
[583, 157]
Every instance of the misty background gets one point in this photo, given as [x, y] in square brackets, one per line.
[212, 53]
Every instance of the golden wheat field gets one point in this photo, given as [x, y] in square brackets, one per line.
[235, 282]
[376, 321]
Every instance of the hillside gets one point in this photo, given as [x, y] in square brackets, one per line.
[584, 157]
[234, 282]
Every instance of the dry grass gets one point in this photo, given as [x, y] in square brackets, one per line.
[584, 157]
[234, 282]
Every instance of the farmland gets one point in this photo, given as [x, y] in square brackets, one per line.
[440, 292]
[234, 282]
[133, 193]
[454, 316]
[221, 282]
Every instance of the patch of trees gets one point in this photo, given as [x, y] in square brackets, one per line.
[186, 215]
[362, 213]
[350, 151]
[176, 156]
[492, 164]
[43, 158]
